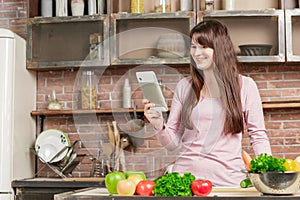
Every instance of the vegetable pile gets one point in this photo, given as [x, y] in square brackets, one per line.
[173, 184]
[266, 163]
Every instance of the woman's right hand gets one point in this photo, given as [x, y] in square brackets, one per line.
[155, 117]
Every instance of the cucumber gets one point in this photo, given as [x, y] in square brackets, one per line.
[246, 183]
[142, 174]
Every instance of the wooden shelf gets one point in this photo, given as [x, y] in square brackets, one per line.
[281, 104]
[266, 105]
[82, 112]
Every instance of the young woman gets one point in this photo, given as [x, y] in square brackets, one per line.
[211, 110]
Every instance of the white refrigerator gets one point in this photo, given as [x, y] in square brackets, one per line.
[17, 100]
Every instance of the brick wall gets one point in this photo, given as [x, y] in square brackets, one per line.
[275, 81]
[13, 15]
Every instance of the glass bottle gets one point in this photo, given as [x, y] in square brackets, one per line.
[88, 90]
[47, 7]
[101, 6]
[162, 6]
[92, 7]
[61, 8]
[126, 94]
[137, 6]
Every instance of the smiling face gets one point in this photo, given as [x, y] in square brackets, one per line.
[202, 55]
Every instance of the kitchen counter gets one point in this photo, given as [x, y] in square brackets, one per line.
[97, 193]
[45, 188]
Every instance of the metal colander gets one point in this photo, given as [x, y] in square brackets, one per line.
[276, 182]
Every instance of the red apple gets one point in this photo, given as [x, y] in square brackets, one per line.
[145, 188]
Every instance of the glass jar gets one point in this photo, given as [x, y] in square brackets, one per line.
[209, 4]
[77, 7]
[88, 90]
[186, 5]
[137, 6]
[162, 6]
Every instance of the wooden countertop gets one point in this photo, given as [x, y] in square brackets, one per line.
[217, 193]
[58, 182]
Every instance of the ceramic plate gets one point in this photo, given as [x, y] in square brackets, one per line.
[51, 142]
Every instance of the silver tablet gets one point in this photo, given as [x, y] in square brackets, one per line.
[151, 89]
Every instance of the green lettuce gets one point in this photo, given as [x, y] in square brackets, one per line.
[173, 184]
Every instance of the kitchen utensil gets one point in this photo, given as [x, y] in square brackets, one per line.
[135, 129]
[107, 149]
[117, 147]
[124, 142]
[51, 145]
[276, 182]
[111, 135]
[255, 49]
[98, 168]
[122, 157]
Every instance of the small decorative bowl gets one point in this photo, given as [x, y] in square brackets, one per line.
[276, 183]
[255, 49]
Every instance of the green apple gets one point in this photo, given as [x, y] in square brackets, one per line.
[136, 178]
[112, 179]
[142, 174]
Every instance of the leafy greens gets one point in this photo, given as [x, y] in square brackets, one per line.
[266, 163]
[173, 184]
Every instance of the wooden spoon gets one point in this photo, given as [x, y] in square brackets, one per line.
[117, 149]
[111, 135]
[107, 149]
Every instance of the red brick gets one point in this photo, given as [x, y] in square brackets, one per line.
[284, 84]
[288, 67]
[291, 92]
[276, 141]
[292, 76]
[262, 84]
[267, 77]
[287, 125]
[284, 117]
[269, 93]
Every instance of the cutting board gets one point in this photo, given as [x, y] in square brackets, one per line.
[234, 191]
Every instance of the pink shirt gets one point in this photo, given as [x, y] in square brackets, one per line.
[206, 151]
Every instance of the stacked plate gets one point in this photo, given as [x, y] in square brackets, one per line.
[52, 145]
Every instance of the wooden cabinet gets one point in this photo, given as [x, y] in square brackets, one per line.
[152, 38]
[292, 35]
[251, 28]
[128, 38]
[66, 42]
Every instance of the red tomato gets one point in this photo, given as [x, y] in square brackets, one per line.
[201, 188]
[145, 188]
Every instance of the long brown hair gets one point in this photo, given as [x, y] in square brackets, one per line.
[214, 34]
